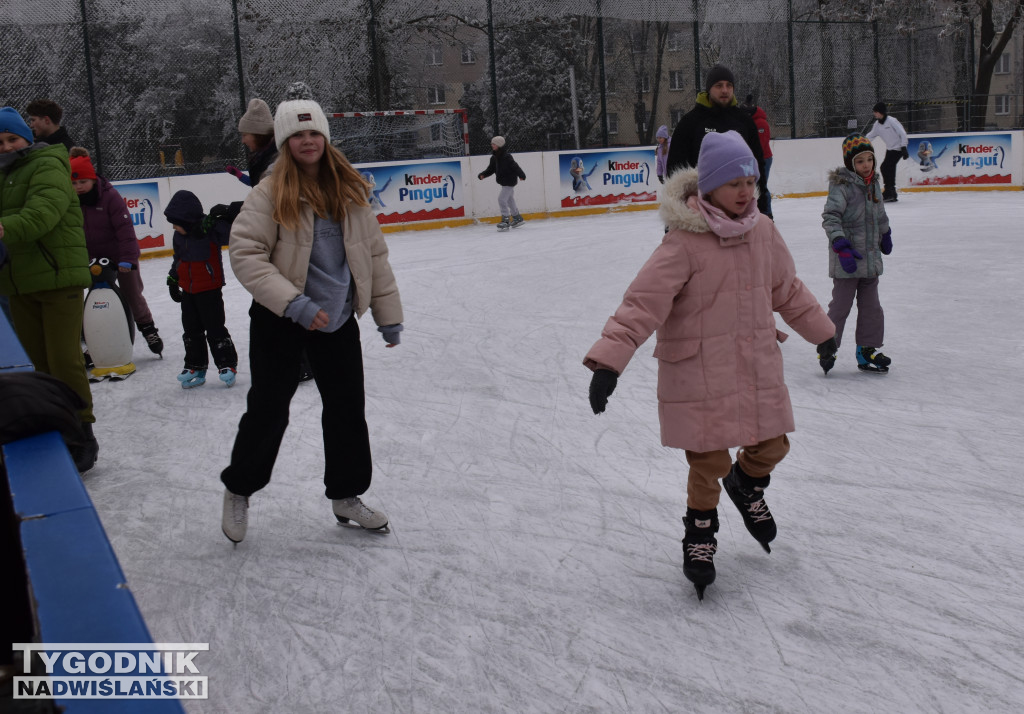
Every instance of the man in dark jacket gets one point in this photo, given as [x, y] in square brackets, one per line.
[44, 117]
[716, 110]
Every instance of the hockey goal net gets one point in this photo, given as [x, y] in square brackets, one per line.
[407, 135]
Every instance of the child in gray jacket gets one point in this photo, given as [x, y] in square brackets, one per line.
[858, 234]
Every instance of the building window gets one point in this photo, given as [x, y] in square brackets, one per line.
[638, 43]
[1003, 65]
[645, 83]
[675, 116]
[468, 55]
[675, 80]
[675, 41]
[435, 132]
[434, 56]
[613, 123]
[435, 94]
[1002, 104]
[612, 85]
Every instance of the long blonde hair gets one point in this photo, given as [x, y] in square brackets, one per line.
[336, 185]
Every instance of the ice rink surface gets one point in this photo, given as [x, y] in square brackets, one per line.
[535, 562]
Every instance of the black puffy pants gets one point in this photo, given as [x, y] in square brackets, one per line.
[202, 318]
[336, 358]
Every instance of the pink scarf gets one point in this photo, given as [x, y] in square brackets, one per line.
[720, 223]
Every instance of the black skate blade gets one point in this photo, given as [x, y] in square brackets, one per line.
[700, 591]
[383, 530]
[872, 369]
[767, 548]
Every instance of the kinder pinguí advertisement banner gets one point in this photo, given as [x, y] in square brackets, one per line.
[603, 177]
[143, 200]
[403, 193]
[959, 159]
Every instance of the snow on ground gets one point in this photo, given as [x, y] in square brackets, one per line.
[535, 561]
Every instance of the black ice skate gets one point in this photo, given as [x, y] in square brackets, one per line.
[149, 331]
[868, 360]
[748, 495]
[699, 546]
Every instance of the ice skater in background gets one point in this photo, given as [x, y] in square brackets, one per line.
[858, 234]
[195, 281]
[661, 151]
[110, 233]
[927, 156]
[507, 173]
[710, 290]
[257, 129]
[375, 199]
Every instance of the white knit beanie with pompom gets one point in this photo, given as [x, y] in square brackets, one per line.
[298, 112]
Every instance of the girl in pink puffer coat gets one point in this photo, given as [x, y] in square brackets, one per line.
[711, 290]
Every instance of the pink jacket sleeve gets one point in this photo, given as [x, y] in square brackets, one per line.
[645, 306]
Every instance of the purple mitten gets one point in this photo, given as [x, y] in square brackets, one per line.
[887, 242]
[848, 255]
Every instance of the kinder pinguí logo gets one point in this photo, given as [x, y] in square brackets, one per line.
[626, 173]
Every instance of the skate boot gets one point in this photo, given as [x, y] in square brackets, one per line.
[190, 378]
[149, 331]
[84, 453]
[352, 509]
[699, 546]
[868, 360]
[227, 375]
[235, 518]
[827, 354]
[517, 221]
[748, 495]
[505, 223]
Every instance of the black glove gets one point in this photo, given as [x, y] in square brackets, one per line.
[827, 354]
[903, 151]
[601, 387]
[173, 288]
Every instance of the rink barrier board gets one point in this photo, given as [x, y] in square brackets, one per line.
[76, 583]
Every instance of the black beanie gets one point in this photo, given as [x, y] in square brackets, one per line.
[881, 109]
[716, 75]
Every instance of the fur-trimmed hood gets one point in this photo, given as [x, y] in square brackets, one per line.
[842, 175]
[674, 212]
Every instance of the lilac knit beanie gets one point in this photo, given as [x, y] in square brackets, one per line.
[724, 157]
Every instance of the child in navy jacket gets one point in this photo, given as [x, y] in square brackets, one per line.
[195, 280]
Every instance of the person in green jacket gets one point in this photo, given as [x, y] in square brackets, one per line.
[48, 264]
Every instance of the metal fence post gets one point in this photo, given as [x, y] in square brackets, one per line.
[600, 65]
[792, 74]
[238, 56]
[92, 92]
[696, 48]
[494, 72]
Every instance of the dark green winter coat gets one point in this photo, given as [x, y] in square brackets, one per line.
[854, 210]
[42, 222]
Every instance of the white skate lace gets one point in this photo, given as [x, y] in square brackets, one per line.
[239, 509]
[702, 551]
[151, 338]
[357, 509]
[758, 511]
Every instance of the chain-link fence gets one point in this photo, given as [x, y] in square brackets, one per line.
[157, 88]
